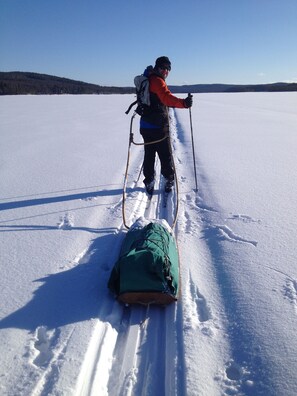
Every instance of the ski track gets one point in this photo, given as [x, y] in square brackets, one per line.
[148, 355]
[142, 344]
[136, 350]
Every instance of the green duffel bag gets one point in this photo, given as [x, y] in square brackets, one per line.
[147, 271]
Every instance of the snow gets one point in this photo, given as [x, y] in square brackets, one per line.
[233, 330]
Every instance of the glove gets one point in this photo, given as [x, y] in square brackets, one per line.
[188, 102]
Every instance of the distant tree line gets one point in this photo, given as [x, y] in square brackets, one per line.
[23, 83]
[277, 87]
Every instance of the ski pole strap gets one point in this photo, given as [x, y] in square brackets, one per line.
[130, 107]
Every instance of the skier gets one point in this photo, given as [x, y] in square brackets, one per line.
[154, 124]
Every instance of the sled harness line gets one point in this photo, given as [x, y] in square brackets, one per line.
[131, 141]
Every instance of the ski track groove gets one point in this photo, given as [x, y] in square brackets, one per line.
[141, 328]
[137, 367]
[124, 336]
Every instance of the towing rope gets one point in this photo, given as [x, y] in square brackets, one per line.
[131, 141]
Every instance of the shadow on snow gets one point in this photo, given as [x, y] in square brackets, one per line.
[62, 198]
[74, 295]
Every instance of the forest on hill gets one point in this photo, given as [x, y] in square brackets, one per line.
[24, 83]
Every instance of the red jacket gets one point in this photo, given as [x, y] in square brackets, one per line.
[159, 87]
[156, 116]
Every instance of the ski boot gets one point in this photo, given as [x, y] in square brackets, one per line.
[150, 187]
[168, 185]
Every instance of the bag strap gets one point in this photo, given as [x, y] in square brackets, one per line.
[130, 107]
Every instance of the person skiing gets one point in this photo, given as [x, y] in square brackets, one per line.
[154, 124]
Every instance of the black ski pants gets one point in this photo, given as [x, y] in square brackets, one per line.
[162, 149]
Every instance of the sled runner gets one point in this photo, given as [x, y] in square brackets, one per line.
[147, 271]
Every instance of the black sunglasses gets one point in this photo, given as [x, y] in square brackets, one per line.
[165, 67]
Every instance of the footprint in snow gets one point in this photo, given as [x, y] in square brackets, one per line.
[202, 308]
[197, 202]
[198, 311]
[225, 233]
[66, 222]
[89, 199]
[243, 218]
[234, 377]
[188, 223]
[290, 291]
[233, 372]
[43, 346]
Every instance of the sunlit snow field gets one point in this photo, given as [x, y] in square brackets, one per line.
[233, 330]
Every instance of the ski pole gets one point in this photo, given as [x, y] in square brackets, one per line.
[193, 148]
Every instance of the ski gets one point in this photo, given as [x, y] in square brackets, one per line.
[165, 198]
[149, 200]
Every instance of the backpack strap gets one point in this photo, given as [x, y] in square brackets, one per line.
[130, 107]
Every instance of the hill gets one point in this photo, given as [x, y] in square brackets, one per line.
[23, 83]
[204, 88]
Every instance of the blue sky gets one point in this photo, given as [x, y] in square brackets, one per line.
[109, 42]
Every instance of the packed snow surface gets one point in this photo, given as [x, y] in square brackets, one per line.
[233, 330]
